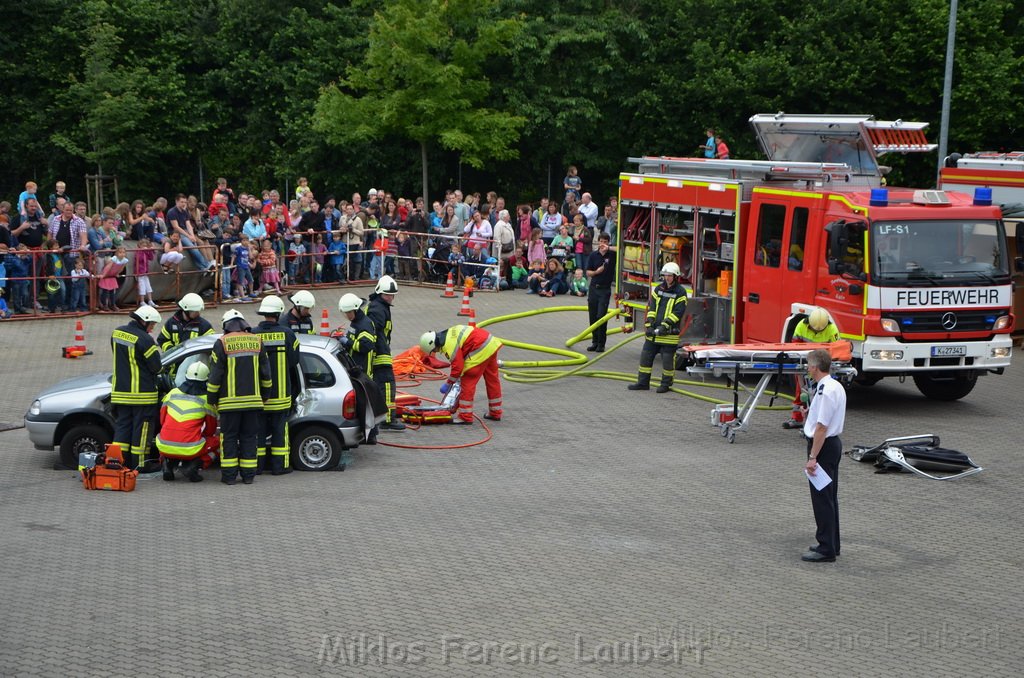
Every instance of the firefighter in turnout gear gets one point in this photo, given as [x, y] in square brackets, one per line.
[473, 353]
[300, 318]
[134, 393]
[282, 348]
[378, 310]
[662, 326]
[239, 385]
[816, 328]
[186, 323]
[359, 340]
[188, 426]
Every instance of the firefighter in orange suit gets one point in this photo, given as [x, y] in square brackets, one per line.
[473, 353]
[188, 426]
[239, 386]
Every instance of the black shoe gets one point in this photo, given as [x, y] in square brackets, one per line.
[592, 348]
[599, 349]
[248, 480]
[194, 477]
[638, 387]
[816, 557]
[817, 548]
[663, 389]
[492, 417]
[393, 425]
[229, 481]
[281, 472]
[371, 439]
[791, 424]
[168, 471]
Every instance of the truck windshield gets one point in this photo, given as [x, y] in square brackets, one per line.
[940, 252]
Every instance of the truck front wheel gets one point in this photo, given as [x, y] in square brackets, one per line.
[945, 386]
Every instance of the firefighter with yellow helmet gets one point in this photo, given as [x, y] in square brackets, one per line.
[188, 425]
[134, 392]
[186, 323]
[662, 324]
[816, 328]
[283, 351]
[238, 386]
[473, 353]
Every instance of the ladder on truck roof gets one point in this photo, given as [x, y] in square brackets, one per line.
[738, 170]
[1013, 160]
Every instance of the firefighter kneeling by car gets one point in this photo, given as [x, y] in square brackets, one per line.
[473, 353]
[664, 315]
[188, 426]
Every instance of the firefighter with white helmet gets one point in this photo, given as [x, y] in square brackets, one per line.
[282, 348]
[238, 386]
[186, 323]
[816, 328]
[662, 324]
[188, 425]
[473, 353]
[359, 339]
[378, 310]
[134, 392]
[299, 318]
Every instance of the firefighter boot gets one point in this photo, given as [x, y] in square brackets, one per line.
[168, 468]
[190, 469]
[643, 381]
[666, 385]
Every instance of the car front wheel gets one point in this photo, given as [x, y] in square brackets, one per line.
[316, 448]
[82, 438]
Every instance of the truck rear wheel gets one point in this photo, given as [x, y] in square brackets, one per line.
[939, 386]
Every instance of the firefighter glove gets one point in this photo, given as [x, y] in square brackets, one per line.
[445, 387]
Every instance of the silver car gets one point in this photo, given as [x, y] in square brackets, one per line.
[336, 406]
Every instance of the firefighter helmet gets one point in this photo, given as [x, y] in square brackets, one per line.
[197, 371]
[271, 305]
[818, 319]
[386, 285]
[191, 303]
[671, 268]
[303, 298]
[349, 302]
[428, 342]
[147, 314]
[231, 314]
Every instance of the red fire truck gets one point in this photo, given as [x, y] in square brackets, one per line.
[918, 280]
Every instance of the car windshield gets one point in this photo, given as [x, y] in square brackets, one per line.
[938, 252]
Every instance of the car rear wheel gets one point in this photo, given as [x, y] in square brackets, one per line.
[82, 438]
[316, 448]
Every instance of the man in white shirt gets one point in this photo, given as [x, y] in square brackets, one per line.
[588, 208]
[822, 425]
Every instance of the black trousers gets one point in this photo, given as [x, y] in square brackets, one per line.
[133, 431]
[239, 431]
[825, 501]
[598, 299]
[275, 429]
[650, 351]
[384, 377]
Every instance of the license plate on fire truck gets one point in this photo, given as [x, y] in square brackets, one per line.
[948, 351]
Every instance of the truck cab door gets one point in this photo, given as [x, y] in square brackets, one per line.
[841, 282]
[764, 267]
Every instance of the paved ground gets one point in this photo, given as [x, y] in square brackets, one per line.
[595, 530]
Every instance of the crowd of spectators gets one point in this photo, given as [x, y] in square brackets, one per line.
[50, 249]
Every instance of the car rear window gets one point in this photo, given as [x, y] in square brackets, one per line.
[315, 371]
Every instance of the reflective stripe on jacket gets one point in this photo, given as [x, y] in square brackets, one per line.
[665, 312]
[185, 422]
[136, 366]
[239, 373]
[466, 347]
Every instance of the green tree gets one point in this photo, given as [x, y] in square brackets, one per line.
[425, 78]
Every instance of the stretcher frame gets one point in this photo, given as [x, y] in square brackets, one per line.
[768, 363]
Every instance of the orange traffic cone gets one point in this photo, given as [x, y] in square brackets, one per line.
[80, 338]
[472, 318]
[449, 287]
[465, 309]
[325, 324]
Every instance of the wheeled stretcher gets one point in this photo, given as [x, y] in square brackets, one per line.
[735, 361]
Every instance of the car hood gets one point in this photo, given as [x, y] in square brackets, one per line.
[86, 382]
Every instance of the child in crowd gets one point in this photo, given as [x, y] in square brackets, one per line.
[390, 252]
[79, 284]
[584, 239]
[170, 260]
[19, 262]
[535, 250]
[227, 267]
[456, 262]
[302, 188]
[552, 282]
[243, 270]
[109, 282]
[403, 250]
[270, 277]
[319, 250]
[5, 312]
[144, 256]
[55, 274]
[337, 252]
[519, 274]
[562, 244]
[578, 286]
[29, 192]
[535, 276]
[296, 260]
